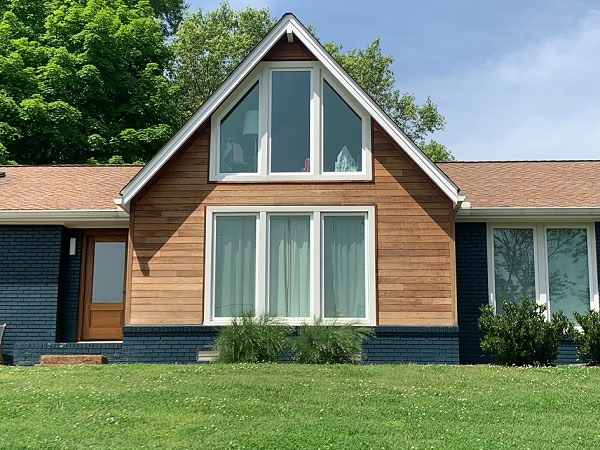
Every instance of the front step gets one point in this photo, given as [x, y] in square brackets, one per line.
[58, 360]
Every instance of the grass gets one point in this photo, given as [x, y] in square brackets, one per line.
[296, 406]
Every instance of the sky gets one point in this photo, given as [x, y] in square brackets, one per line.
[515, 79]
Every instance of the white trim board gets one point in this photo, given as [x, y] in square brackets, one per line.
[557, 214]
[77, 218]
[288, 24]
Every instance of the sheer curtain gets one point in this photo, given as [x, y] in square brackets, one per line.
[289, 266]
[235, 265]
[344, 266]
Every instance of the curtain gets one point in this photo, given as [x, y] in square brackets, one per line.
[344, 266]
[289, 266]
[234, 265]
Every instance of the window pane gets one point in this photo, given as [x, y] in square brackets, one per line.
[344, 266]
[342, 134]
[289, 266]
[514, 267]
[234, 265]
[239, 136]
[568, 273]
[290, 121]
[109, 270]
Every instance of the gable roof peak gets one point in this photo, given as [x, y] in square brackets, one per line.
[286, 25]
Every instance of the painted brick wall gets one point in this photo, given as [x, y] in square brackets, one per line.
[29, 353]
[29, 275]
[68, 292]
[472, 288]
[391, 344]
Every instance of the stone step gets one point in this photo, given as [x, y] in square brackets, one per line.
[57, 360]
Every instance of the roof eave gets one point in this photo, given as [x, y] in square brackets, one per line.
[77, 218]
[523, 214]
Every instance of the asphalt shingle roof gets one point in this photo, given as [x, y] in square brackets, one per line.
[62, 187]
[527, 183]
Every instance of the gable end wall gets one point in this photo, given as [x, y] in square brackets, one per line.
[415, 242]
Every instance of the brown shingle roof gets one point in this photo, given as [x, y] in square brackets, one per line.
[62, 187]
[527, 183]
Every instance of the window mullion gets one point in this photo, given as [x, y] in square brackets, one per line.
[264, 108]
[541, 259]
[316, 131]
[261, 261]
[315, 256]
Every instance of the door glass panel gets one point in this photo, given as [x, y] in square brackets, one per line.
[109, 272]
[290, 121]
[289, 266]
[514, 266]
[342, 134]
[344, 266]
[568, 271]
[239, 136]
[234, 265]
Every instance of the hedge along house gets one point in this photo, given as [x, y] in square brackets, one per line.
[289, 192]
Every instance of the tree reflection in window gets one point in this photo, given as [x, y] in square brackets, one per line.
[514, 265]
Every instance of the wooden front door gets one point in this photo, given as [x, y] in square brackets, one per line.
[103, 285]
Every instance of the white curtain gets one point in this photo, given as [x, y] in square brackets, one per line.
[234, 265]
[289, 266]
[344, 266]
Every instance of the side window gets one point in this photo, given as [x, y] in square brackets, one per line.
[238, 131]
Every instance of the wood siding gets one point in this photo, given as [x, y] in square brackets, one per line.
[415, 242]
[289, 51]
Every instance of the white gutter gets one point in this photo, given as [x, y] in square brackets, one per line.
[76, 218]
[471, 214]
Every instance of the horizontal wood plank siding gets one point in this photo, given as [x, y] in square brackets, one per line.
[415, 240]
[289, 51]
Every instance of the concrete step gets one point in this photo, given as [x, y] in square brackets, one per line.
[57, 360]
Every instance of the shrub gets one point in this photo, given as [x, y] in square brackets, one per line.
[521, 335]
[588, 341]
[329, 344]
[251, 339]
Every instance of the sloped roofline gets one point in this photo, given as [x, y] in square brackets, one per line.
[288, 24]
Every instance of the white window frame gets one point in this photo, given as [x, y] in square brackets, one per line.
[540, 253]
[262, 282]
[263, 75]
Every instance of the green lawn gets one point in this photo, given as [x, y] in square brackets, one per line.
[295, 406]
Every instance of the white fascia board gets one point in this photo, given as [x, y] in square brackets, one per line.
[202, 114]
[287, 23]
[534, 214]
[78, 218]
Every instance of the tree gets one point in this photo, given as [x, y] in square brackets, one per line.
[83, 80]
[208, 46]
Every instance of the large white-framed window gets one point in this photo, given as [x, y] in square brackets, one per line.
[293, 262]
[290, 121]
[552, 263]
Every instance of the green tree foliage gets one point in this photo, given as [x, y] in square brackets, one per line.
[83, 80]
[209, 45]
[521, 335]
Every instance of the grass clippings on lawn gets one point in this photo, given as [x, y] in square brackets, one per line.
[294, 406]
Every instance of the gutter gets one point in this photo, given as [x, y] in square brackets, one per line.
[466, 213]
[76, 218]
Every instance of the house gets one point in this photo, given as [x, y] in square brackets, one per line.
[289, 192]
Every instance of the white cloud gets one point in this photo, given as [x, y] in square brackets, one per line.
[541, 101]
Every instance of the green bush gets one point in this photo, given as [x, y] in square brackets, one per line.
[329, 344]
[521, 335]
[588, 340]
[251, 339]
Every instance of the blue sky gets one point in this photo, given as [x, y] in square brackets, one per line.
[515, 79]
